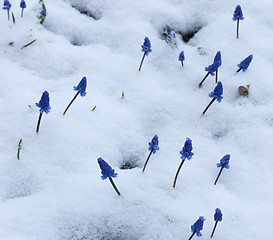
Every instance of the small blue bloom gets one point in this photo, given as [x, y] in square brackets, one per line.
[153, 145]
[171, 33]
[198, 226]
[81, 87]
[187, 150]
[106, 170]
[217, 92]
[245, 63]
[224, 162]
[146, 47]
[218, 215]
[44, 103]
[218, 58]
[238, 14]
[181, 56]
[23, 4]
[213, 67]
[43, 10]
[7, 5]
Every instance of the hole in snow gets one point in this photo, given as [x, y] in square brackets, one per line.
[95, 15]
[130, 162]
[188, 34]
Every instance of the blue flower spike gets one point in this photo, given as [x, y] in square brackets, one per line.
[43, 12]
[211, 69]
[197, 227]
[153, 147]
[244, 64]
[218, 59]
[216, 94]
[186, 153]
[80, 90]
[23, 6]
[170, 37]
[7, 6]
[181, 58]
[44, 106]
[146, 48]
[108, 172]
[238, 15]
[218, 216]
[223, 164]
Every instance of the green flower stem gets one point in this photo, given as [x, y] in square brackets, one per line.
[239, 69]
[147, 160]
[237, 28]
[219, 175]
[19, 148]
[182, 63]
[213, 229]
[22, 12]
[209, 105]
[29, 44]
[114, 186]
[200, 84]
[191, 236]
[38, 124]
[8, 14]
[71, 102]
[178, 170]
[142, 61]
[216, 75]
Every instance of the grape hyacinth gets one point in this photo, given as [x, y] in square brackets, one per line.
[223, 164]
[218, 216]
[44, 107]
[181, 58]
[171, 37]
[213, 67]
[23, 6]
[186, 154]
[7, 6]
[43, 12]
[197, 227]
[153, 147]
[218, 59]
[216, 94]
[146, 48]
[108, 172]
[244, 64]
[238, 15]
[80, 90]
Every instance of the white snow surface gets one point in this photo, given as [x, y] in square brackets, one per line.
[54, 192]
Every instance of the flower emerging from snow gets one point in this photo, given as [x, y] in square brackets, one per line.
[213, 67]
[81, 87]
[181, 56]
[106, 170]
[146, 47]
[198, 226]
[44, 103]
[245, 63]
[23, 4]
[217, 92]
[153, 145]
[224, 162]
[187, 150]
[217, 58]
[238, 14]
[218, 215]
[7, 5]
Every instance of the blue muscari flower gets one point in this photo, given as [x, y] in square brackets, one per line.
[218, 215]
[213, 67]
[245, 63]
[146, 47]
[198, 226]
[171, 33]
[224, 162]
[187, 150]
[44, 103]
[217, 92]
[218, 58]
[238, 14]
[106, 170]
[43, 10]
[81, 87]
[7, 5]
[23, 4]
[181, 56]
[153, 145]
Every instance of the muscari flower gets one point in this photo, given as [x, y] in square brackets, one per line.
[218, 58]
[198, 226]
[238, 14]
[23, 4]
[44, 103]
[224, 162]
[106, 169]
[7, 5]
[181, 56]
[213, 67]
[153, 145]
[218, 215]
[217, 92]
[245, 63]
[81, 87]
[187, 150]
[146, 47]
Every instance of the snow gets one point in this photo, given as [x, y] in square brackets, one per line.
[55, 192]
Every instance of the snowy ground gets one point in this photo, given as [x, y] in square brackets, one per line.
[55, 192]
